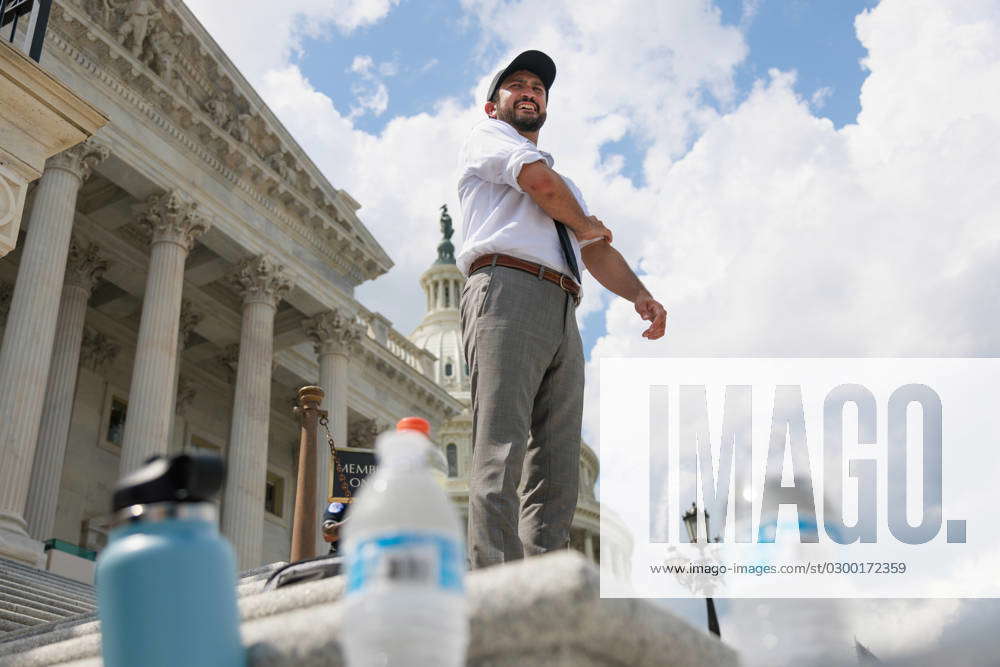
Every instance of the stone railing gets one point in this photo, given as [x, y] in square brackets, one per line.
[380, 330]
[405, 349]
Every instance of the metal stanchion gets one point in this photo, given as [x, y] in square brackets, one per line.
[305, 519]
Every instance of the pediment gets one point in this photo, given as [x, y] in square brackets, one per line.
[161, 51]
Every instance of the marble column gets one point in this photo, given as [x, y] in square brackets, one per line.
[174, 222]
[263, 284]
[588, 545]
[83, 269]
[188, 320]
[29, 334]
[336, 335]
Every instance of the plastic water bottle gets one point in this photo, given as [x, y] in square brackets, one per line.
[405, 562]
[166, 583]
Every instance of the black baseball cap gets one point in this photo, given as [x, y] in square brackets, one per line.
[535, 62]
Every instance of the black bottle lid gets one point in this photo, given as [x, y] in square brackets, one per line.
[184, 478]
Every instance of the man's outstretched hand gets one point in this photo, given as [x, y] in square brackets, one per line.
[595, 230]
[650, 310]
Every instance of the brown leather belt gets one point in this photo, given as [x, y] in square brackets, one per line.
[567, 284]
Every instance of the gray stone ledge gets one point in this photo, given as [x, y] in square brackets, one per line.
[544, 611]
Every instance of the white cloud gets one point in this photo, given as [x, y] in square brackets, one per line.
[370, 93]
[362, 64]
[267, 36]
[748, 11]
[819, 98]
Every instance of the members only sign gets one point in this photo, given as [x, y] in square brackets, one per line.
[356, 467]
[799, 477]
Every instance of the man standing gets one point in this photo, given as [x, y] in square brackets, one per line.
[518, 319]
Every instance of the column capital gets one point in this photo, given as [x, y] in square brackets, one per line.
[189, 319]
[173, 217]
[334, 332]
[79, 160]
[261, 280]
[84, 264]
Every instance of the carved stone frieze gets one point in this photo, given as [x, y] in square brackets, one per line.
[238, 127]
[173, 217]
[80, 159]
[218, 109]
[140, 17]
[84, 265]
[362, 432]
[334, 332]
[97, 351]
[162, 58]
[261, 280]
[277, 162]
[171, 83]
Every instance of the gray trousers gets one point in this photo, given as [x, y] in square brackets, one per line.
[526, 363]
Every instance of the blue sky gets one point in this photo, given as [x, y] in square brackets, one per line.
[423, 52]
[435, 50]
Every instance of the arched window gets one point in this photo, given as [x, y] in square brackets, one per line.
[451, 452]
[447, 296]
[448, 370]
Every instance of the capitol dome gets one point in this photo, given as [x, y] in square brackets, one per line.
[440, 332]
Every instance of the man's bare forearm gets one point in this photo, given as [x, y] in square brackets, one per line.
[611, 270]
[547, 189]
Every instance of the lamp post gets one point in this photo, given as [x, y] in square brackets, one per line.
[691, 523]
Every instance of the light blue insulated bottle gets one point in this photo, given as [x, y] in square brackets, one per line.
[166, 582]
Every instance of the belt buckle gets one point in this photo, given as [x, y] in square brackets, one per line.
[576, 297]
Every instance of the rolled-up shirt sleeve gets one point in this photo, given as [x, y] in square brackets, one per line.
[497, 157]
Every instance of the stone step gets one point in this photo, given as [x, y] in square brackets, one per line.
[21, 638]
[12, 569]
[77, 587]
[59, 607]
[45, 590]
[8, 627]
[31, 598]
[20, 617]
[16, 591]
[35, 589]
[34, 611]
[50, 584]
[45, 587]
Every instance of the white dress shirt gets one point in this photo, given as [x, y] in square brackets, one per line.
[497, 215]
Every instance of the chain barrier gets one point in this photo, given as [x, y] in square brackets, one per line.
[345, 487]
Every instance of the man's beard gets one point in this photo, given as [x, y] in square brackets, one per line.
[532, 124]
